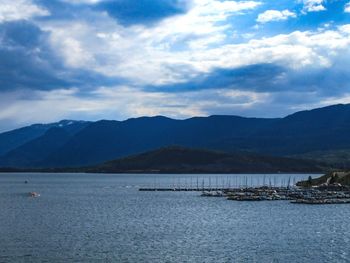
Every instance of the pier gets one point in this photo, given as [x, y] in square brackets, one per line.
[270, 190]
[294, 194]
[183, 189]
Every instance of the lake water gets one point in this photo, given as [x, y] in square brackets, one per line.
[104, 218]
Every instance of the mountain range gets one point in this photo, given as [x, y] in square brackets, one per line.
[79, 143]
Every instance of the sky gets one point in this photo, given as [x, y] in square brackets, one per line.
[117, 59]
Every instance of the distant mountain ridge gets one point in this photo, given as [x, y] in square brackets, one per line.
[92, 143]
[33, 152]
[35, 142]
[12, 139]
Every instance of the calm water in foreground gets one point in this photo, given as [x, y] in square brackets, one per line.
[104, 218]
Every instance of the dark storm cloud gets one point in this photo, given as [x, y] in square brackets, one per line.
[28, 62]
[142, 11]
[126, 12]
[254, 77]
[20, 34]
[270, 78]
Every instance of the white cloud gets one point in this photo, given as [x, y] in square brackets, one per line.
[296, 50]
[146, 56]
[313, 5]
[11, 10]
[345, 29]
[347, 8]
[71, 45]
[274, 15]
[204, 17]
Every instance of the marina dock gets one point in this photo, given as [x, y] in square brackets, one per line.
[296, 195]
[183, 189]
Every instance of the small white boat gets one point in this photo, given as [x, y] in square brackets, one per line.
[34, 194]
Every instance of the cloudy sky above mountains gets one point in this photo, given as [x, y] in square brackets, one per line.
[115, 59]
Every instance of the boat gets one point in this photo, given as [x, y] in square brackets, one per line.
[34, 194]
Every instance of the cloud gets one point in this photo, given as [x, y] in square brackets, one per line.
[347, 8]
[259, 77]
[142, 11]
[11, 10]
[26, 59]
[313, 5]
[31, 63]
[268, 78]
[274, 15]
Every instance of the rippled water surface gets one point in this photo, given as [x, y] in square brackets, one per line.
[104, 218]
